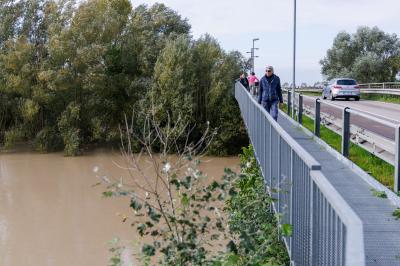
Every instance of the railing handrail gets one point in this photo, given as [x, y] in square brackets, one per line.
[355, 254]
[304, 155]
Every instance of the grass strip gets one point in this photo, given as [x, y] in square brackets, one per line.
[381, 98]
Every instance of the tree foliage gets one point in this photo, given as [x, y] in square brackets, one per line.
[369, 55]
[69, 72]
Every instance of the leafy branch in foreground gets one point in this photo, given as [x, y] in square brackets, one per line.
[175, 208]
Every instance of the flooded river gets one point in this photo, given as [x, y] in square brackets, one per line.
[51, 214]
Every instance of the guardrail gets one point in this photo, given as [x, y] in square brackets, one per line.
[388, 88]
[325, 228]
[345, 133]
[383, 85]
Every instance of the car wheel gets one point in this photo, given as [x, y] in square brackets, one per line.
[357, 98]
[324, 97]
[332, 98]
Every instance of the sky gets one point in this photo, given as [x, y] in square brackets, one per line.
[235, 23]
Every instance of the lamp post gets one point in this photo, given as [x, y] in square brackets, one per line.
[252, 55]
[294, 59]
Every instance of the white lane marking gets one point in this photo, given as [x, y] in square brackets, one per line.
[358, 106]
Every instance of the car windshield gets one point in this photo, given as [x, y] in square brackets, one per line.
[346, 82]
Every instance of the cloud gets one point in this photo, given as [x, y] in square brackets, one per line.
[221, 17]
[235, 22]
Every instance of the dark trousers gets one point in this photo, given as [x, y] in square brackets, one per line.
[272, 108]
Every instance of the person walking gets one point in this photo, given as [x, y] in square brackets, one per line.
[270, 92]
[252, 83]
[244, 80]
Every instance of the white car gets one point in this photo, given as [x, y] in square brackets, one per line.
[341, 88]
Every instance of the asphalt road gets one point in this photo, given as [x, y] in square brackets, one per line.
[386, 111]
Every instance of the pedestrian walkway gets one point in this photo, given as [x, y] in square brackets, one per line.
[381, 229]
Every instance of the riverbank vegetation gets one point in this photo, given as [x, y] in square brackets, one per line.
[69, 72]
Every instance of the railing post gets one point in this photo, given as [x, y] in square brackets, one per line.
[346, 132]
[317, 121]
[300, 115]
[270, 158]
[383, 85]
[279, 179]
[291, 198]
[289, 102]
[397, 161]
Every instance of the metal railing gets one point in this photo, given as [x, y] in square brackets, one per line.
[383, 85]
[326, 231]
[345, 133]
[386, 88]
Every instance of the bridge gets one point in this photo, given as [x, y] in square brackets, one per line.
[327, 199]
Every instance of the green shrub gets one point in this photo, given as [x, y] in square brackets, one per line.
[47, 140]
[69, 129]
[251, 219]
[12, 136]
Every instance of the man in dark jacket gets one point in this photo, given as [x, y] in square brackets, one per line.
[270, 92]
[244, 80]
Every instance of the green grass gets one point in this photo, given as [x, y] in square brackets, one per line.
[381, 98]
[376, 167]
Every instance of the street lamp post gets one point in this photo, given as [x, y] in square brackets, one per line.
[252, 54]
[294, 59]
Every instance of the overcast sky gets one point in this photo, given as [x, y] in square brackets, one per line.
[234, 23]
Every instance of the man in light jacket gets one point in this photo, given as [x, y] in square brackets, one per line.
[270, 92]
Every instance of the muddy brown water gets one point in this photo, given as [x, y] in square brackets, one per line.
[52, 215]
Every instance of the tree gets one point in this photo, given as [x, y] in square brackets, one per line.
[206, 54]
[70, 71]
[174, 79]
[223, 111]
[369, 55]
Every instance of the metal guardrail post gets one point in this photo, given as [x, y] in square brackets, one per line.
[300, 115]
[346, 133]
[397, 160]
[317, 121]
[289, 102]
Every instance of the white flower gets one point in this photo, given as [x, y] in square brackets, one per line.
[196, 174]
[248, 164]
[189, 171]
[147, 195]
[120, 183]
[216, 211]
[105, 179]
[95, 169]
[166, 167]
